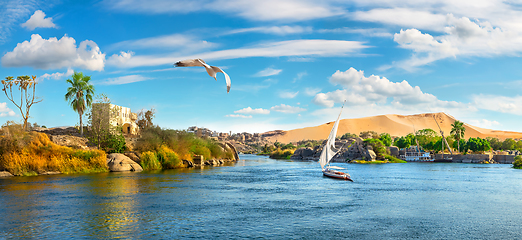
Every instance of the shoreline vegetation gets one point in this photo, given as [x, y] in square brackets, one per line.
[31, 153]
[381, 144]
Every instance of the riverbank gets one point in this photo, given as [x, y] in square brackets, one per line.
[33, 153]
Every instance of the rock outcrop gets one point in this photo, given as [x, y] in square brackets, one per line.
[5, 174]
[118, 162]
[352, 148]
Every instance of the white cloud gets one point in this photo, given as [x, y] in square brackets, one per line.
[183, 42]
[370, 32]
[238, 116]
[360, 90]
[268, 10]
[484, 123]
[299, 76]
[404, 17]
[462, 38]
[512, 105]
[38, 20]
[285, 94]
[291, 48]
[268, 72]
[14, 13]
[53, 53]
[120, 59]
[124, 80]
[278, 30]
[5, 111]
[312, 91]
[249, 110]
[287, 109]
[56, 75]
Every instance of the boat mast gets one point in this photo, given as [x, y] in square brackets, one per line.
[443, 138]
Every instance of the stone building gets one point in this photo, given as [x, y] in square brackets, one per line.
[123, 116]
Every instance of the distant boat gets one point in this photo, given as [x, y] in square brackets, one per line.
[329, 152]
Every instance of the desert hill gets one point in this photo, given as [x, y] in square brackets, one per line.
[395, 125]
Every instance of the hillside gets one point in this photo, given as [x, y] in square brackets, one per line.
[395, 125]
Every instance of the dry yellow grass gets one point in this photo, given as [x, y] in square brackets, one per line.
[42, 155]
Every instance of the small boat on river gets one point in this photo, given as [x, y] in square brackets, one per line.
[329, 152]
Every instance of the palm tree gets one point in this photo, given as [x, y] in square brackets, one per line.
[80, 94]
[458, 131]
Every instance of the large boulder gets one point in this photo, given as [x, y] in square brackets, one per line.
[370, 155]
[133, 156]
[5, 174]
[118, 162]
[303, 153]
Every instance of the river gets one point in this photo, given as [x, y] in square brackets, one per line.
[259, 197]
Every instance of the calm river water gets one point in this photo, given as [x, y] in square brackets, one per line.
[259, 197]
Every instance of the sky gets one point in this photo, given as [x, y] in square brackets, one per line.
[292, 63]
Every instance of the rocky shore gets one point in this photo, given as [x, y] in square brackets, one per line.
[352, 148]
[120, 162]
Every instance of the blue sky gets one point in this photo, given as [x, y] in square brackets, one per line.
[292, 63]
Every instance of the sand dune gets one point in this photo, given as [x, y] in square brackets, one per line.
[395, 125]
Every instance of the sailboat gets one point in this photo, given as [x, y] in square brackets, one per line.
[329, 152]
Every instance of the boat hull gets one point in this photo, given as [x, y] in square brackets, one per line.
[337, 175]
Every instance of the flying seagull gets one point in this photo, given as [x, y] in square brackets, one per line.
[211, 70]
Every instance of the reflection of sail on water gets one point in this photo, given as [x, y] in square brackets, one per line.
[328, 150]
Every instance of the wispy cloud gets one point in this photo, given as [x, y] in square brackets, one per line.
[124, 80]
[287, 109]
[238, 116]
[299, 76]
[173, 41]
[268, 10]
[291, 48]
[312, 91]
[268, 72]
[12, 13]
[286, 94]
[484, 123]
[56, 75]
[249, 110]
[504, 104]
[278, 30]
[370, 32]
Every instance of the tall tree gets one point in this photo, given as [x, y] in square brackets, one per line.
[145, 117]
[458, 131]
[80, 94]
[27, 99]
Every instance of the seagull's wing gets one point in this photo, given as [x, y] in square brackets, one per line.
[191, 63]
[227, 78]
[197, 63]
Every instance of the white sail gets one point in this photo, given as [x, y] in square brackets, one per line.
[329, 150]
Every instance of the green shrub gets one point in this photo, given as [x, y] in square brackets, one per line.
[115, 144]
[280, 154]
[168, 158]
[393, 159]
[518, 162]
[184, 144]
[149, 161]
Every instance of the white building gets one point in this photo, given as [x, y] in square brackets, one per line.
[123, 116]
